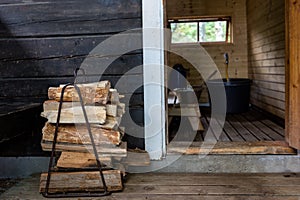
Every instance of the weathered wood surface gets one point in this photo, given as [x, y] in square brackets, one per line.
[136, 157]
[193, 186]
[241, 148]
[114, 110]
[184, 111]
[82, 181]
[293, 73]
[90, 92]
[111, 123]
[250, 127]
[78, 160]
[266, 31]
[52, 105]
[95, 114]
[103, 150]
[78, 134]
[44, 42]
[48, 20]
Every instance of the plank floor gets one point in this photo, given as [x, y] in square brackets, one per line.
[251, 126]
[187, 186]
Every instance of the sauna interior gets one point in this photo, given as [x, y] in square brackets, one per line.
[254, 40]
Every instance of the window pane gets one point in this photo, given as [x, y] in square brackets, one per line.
[214, 31]
[184, 32]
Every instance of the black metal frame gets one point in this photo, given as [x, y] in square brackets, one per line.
[46, 193]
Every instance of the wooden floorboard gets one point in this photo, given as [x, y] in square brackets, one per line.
[252, 116]
[257, 133]
[186, 186]
[236, 132]
[251, 126]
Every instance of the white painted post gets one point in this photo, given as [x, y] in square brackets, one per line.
[154, 98]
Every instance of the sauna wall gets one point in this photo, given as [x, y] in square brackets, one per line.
[266, 36]
[237, 50]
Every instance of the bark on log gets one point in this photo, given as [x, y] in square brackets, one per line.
[91, 92]
[78, 134]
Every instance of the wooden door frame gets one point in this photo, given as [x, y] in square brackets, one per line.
[292, 116]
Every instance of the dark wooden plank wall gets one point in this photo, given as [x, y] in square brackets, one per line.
[42, 42]
[266, 36]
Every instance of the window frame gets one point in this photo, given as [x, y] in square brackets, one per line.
[227, 19]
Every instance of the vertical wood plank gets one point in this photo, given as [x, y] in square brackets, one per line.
[293, 118]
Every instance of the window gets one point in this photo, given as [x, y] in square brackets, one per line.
[204, 30]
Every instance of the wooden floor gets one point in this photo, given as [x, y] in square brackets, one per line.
[187, 186]
[251, 126]
[252, 133]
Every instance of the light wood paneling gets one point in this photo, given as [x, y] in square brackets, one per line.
[266, 48]
[238, 57]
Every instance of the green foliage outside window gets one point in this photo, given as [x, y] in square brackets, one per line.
[200, 31]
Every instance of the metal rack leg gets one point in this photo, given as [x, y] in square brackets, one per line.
[102, 179]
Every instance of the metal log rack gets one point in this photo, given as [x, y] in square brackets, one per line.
[51, 169]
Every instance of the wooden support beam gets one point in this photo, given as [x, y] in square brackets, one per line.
[293, 73]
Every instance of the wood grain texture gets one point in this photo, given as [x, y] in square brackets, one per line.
[229, 148]
[78, 160]
[293, 73]
[44, 41]
[193, 186]
[95, 115]
[82, 181]
[91, 93]
[266, 35]
[103, 150]
[78, 134]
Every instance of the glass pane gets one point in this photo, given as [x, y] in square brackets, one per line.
[184, 32]
[214, 31]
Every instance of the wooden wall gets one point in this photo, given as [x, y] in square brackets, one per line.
[42, 42]
[238, 66]
[266, 36]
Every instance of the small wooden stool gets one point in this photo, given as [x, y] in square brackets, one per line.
[187, 107]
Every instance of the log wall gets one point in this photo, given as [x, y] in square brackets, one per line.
[237, 50]
[266, 36]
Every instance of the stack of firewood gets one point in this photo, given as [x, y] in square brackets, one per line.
[104, 112]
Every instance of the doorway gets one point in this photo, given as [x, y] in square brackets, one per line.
[257, 53]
